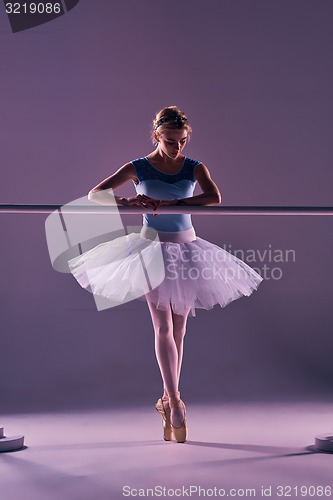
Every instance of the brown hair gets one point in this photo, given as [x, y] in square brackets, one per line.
[169, 118]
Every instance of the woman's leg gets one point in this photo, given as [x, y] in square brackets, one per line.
[179, 330]
[166, 354]
[165, 347]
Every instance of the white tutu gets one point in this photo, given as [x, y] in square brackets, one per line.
[187, 272]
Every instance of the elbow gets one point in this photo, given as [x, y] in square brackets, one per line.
[218, 197]
[91, 195]
[213, 197]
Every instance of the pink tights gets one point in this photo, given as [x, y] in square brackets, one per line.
[170, 329]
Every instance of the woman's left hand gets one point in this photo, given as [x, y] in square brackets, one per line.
[166, 203]
[163, 203]
[152, 203]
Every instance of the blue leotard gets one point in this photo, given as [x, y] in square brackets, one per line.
[162, 186]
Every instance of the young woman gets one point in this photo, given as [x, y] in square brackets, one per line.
[197, 273]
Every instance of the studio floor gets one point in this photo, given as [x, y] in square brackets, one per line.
[235, 450]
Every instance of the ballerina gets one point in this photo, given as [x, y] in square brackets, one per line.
[198, 274]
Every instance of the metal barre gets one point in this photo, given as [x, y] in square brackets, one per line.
[190, 209]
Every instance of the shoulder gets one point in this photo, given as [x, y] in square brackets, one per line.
[191, 161]
[201, 172]
[197, 166]
[138, 164]
[137, 161]
[128, 170]
[128, 166]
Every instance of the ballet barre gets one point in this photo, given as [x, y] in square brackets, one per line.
[181, 209]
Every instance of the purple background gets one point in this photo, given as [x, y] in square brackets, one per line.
[77, 99]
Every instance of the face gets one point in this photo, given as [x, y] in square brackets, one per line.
[172, 142]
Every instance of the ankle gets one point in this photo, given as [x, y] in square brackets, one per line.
[165, 396]
[173, 394]
[174, 398]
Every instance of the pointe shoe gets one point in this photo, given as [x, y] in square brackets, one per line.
[164, 411]
[180, 433]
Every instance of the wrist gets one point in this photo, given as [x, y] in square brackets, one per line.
[122, 201]
[181, 202]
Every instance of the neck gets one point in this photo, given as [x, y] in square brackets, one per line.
[163, 158]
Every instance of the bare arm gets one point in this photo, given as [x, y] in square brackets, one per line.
[210, 192]
[99, 193]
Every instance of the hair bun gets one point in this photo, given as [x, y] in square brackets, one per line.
[169, 118]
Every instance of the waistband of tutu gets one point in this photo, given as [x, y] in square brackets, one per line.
[185, 236]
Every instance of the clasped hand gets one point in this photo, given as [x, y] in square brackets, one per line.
[141, 200]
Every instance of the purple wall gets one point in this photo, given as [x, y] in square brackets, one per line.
[78, 96]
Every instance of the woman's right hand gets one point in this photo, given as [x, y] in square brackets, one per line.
[141, 200]
[133, 201]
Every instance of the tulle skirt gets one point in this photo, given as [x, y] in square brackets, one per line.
[165, 268]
